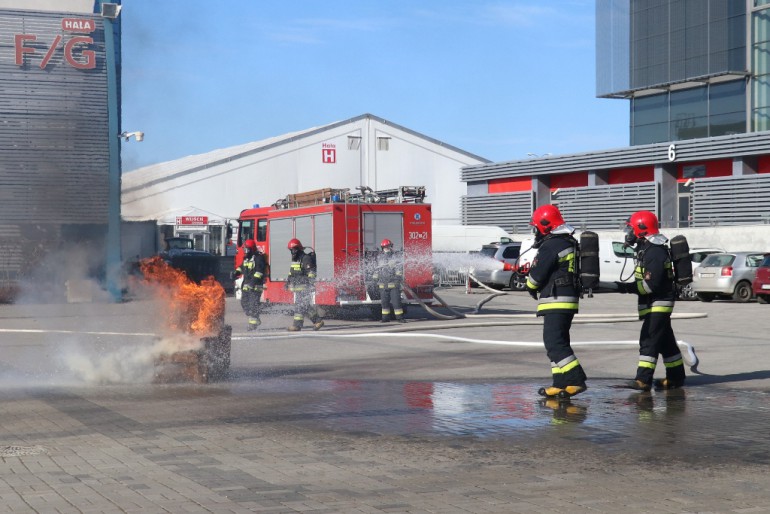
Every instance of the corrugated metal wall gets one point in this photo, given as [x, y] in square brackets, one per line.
[53, 131]
[593, 208]
[731, 200]
[604, 207]
[54, 161]
[509, 211]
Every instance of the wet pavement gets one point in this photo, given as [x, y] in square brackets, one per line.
[366, 417]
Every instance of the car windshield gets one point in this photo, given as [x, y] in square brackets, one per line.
[622, 250]
[489, 251]
[698, 257]
[718, 259]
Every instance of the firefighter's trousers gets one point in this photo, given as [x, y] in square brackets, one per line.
[252, 305]
[657, 337]
[304, 306]
[390, 296]
[565, 367]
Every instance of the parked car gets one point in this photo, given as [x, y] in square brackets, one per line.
[495, 275]
[761, 284]
[696, 256]
[727, 275]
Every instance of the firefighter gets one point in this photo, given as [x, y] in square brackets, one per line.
[553, 282]
[301, 282]
[654, 284]
[389, 275]
[253, 271]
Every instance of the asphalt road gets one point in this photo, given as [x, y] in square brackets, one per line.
[428, 416]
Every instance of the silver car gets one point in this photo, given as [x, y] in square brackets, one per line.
[726, 275]
[487, 267]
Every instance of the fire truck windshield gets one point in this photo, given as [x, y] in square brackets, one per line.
[245, 231]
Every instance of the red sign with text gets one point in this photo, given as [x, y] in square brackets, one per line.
[328, 153]
[77, 49]
[192, 220]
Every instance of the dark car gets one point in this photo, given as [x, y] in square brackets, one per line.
[196, 264]
[761, 284]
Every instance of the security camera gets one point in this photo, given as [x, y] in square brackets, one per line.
[139, 136]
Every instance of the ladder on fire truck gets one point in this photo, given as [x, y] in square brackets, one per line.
[353, 222]
[401, 194]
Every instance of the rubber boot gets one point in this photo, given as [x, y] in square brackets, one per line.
[385, 320]
[318, 324]
[638, 385]
[400, 319]
[667, 383]
[570, 391]
[550, 392]
[294, 328]
[253, 325]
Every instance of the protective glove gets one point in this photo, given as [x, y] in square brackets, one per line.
[532, 293]
[233, 275]
[625, 287]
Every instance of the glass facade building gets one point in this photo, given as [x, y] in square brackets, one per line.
[684, 66]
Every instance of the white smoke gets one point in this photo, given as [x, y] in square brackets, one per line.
[126, 364]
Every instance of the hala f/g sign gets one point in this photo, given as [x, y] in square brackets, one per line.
[77, 49]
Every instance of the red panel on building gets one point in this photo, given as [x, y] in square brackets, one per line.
[631, 175]
[509, 185]
[763, 164]
[579, 179]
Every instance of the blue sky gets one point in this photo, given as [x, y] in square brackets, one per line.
[500, 79]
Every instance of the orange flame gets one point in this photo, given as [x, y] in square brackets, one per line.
[189, 307]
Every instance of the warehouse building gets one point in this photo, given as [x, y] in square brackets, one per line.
[695, 75]
[365, 151]
[60, 161]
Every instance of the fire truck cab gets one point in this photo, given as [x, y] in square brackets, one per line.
[344, 230]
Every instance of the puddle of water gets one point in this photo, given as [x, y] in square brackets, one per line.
[692, 422]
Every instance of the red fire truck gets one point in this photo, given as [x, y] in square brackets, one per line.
[344, 230]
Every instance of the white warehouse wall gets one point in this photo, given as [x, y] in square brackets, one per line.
[229, 180]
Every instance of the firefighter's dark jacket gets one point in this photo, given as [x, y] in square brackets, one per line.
[654, 276]
[302, 273]
[554, 273]
[389, 270]
[253, 271]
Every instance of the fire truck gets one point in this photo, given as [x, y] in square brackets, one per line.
[344, 229]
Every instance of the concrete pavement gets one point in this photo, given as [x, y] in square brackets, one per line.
[369, 417]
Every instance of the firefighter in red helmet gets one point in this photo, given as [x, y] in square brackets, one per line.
[301, 282]
[553, 282]
[253, 270]
[654, 283]
[389, 275]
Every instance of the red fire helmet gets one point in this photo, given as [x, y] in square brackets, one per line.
[250, 244]
[546, 218]
[643, 223]
[386, 243]
[294, 243]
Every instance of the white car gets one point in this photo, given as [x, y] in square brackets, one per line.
[696, 255]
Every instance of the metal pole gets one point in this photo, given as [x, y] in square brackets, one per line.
[113, 250]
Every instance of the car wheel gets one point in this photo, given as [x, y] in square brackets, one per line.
[705, 297]
[518, 282]
[762, 298]
[742, 292]
[686, 293]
